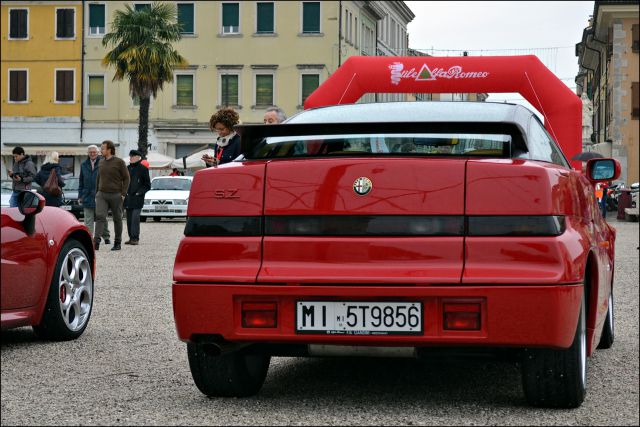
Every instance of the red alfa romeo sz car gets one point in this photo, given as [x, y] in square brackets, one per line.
[48, 267]
[392, 229]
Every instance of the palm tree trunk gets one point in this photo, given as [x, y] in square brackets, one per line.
[143, 125]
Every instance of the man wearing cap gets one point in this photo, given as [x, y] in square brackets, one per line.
[139, 184]
[112, 184]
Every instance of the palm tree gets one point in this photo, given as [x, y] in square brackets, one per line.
[143, 53]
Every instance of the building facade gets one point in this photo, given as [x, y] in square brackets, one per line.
[41, 69]
[609, 75]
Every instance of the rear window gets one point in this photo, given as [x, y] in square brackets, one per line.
[381, 144]
[171, 184]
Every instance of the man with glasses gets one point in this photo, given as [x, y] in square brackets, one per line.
[22, 174]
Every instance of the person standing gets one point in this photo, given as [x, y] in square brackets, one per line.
[51, 166]
[112, 184]
[87, 190]
[139, 184]
[227, 145]
[22, 174]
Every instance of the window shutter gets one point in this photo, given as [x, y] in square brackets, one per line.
[635, 100]
[265, 18]
[185, 18]
[22, 85]
[13, 86]
[184, 88]
[69, 27]
[18, 24]
[229, 90]
[310, 82]
[635, 41]
[230, 15]
[311, 17]
[64, 21]
[96, 16]
[60, 23]
[264, 89]
[64, 85]
[96, 90]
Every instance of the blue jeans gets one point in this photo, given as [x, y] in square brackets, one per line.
[13, 200]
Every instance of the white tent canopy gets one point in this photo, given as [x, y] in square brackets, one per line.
[156, 160]
[194, 161]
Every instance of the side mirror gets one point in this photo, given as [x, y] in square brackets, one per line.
[30, 203]
[600, 170]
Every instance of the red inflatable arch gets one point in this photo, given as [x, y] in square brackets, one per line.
[527, 75]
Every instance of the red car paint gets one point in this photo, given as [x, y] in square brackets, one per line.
[28, 262]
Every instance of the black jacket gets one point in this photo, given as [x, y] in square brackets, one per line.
[230, 152]
[43, 176]
[139, 184]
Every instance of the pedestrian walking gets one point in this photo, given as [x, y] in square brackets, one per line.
[87, 191]
[49, 177]
[274, 115]
[139, 184]
[112, 184]
[22, 174]
[227, 145]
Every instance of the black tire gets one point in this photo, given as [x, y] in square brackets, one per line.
[58, 323]
[235, 374]
[608, 330]
[157, 218]
[557, 378]
[143, 219]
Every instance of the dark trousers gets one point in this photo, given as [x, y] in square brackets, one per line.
[104, 201]
[133, 223]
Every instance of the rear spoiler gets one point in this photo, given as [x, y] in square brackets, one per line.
[253, 135]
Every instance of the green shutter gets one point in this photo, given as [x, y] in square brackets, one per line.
[96, 16]
[96, 90]
[229, 90]
[230, 15]
[184, 90]
[265, 18]
[311, 17]
[185, 18]
[310, 82]
[264, 89]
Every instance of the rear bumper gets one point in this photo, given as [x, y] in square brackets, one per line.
[512, 316]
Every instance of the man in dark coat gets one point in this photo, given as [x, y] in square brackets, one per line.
[23, 173]
[139, 184]
[87, 190]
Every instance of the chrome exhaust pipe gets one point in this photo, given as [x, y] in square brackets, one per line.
[360, 351]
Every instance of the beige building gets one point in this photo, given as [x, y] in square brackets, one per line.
[248, 55]
[609, 74]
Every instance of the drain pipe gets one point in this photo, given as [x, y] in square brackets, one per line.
[339, 33]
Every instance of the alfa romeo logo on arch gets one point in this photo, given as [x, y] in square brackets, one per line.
[425, 74]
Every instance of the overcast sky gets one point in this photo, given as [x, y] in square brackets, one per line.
[534, 26]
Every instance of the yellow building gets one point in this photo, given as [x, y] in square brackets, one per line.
[609, 74]
[248, 55]
[41, 53]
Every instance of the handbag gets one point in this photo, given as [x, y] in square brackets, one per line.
[51, 186]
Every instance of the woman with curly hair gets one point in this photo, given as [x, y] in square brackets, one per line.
[227, 145]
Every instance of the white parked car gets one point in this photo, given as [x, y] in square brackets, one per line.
[168, 198]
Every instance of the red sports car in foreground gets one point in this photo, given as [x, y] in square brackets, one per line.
[48, 266]
[392, 229]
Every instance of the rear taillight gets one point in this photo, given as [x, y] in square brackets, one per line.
[461, 317]
[521, 225]
[259, 315]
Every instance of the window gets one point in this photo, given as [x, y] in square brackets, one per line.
[264, 24]
[230, 18]
[66, 164]
[635, 40]
[95, 94]
[135, 101]
[311, 17]
[264, 89]
[355, 32]
[185, 18]
[229, 90]
[541, 146]
[138, 7]
[18, 24]
[65, 85]
[96, 19]
[310, 82]
[635, 101]
[184, 90]
[65, 23]
[18, 84]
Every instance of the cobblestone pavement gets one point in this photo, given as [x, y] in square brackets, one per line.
[130, 368]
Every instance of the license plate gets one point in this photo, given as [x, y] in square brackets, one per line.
[66, 207]
[359, 318]
[162, 208]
